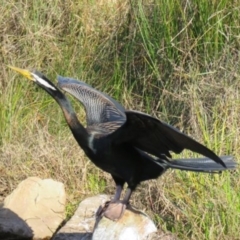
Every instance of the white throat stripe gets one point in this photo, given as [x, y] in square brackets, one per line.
[43, 82]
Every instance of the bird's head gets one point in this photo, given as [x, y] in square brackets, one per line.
[37, 77]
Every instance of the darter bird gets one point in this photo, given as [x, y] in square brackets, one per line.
[130, 145]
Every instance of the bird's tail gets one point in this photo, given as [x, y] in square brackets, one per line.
[203, 164]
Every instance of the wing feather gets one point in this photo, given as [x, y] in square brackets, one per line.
[100, 108]
[108, 117]
[155, 137]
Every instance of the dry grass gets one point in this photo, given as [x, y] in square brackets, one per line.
[183, 71]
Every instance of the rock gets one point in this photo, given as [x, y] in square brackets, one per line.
[133, 225]
[35, 208]
[81, 224]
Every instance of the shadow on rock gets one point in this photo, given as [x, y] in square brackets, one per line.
[13, 227]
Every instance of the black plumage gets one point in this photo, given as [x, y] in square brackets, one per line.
[122, 141]
[130, 145]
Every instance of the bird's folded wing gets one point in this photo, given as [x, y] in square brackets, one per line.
[155, 137]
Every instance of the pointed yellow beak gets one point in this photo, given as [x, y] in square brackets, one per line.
[24, 72]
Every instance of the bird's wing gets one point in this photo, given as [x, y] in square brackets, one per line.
[104, 129]
[157, 138]
[99, 107]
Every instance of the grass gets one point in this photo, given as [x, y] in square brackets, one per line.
[176, 60]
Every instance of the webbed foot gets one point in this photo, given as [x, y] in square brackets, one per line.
[112, 210]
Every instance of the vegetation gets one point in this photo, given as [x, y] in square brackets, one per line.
[176, 60]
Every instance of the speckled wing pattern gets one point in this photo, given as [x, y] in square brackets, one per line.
[104, 114]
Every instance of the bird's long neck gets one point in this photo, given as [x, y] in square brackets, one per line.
[79, 132]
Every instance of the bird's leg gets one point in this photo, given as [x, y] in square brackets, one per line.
[117, 193]
[127, 196]
[119, 184]
[110, 210]
[115, 208]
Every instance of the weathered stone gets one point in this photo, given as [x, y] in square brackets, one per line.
[132, 225]
[81, 225]
[35, 208]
